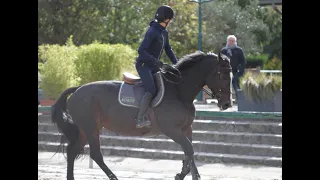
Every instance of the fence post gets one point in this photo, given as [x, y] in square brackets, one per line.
[90, 163]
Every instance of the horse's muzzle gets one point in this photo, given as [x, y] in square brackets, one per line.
[225, 106]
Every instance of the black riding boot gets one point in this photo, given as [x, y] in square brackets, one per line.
[142, 119]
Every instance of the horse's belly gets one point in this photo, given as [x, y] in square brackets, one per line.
[121, 120]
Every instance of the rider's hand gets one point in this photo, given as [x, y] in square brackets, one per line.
[159, 64]
[157, 68]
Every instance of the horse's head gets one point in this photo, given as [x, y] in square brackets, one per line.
[219, 81]
[199, 69]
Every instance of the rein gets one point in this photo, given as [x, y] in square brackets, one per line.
[165, 71]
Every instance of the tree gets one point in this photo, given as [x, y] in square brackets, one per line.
[274, 21]
[223, 18]
[57, 21]
[183, 31]
[126, 22]
[113, 22]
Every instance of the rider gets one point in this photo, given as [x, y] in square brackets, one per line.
[148, 62]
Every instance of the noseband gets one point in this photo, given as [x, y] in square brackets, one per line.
[217, 94]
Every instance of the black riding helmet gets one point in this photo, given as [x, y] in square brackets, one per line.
[163, 13]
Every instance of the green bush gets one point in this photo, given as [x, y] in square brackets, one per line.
[58, 69]
[273, 64]
[260, 87]
[67, 66]
[97, 62]
[255, 60]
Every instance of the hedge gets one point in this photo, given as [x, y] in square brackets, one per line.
[273, 64]
[69, 65]
[255, 60]
[97, 62]
[58, 70]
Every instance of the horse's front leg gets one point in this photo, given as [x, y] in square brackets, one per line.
[179, 137]
[194, 169]
[192, 166]
[186, 168]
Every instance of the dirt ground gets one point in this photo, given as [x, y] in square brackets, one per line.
[125, 168]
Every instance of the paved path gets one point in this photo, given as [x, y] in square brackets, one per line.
[147, 169]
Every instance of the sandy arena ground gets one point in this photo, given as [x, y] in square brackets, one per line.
[125, 168]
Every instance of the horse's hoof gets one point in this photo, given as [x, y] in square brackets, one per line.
[178, 177]
[113, 177]
[197, 177]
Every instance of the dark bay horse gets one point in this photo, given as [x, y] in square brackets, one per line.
[96, 105]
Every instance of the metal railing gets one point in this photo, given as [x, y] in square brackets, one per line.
[271, 71]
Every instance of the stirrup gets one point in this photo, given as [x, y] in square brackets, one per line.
[143, 123]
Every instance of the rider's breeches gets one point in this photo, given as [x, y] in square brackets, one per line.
[145, 74]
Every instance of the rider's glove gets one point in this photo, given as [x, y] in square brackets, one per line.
[159, 64]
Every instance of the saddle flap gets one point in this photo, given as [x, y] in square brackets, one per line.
[130, 78]
[131, 94]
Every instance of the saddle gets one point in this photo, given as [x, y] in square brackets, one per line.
[130, 78]
[132, 90]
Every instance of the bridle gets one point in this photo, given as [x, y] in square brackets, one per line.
[217, 94]
[214, 94]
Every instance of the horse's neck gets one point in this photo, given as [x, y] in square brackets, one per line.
[191, 85]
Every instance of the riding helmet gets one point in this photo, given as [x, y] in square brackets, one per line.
[163, 13]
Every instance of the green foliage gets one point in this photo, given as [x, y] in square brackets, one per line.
[183, 30]
[274, 22]
[106, 21]
[257, 57]
[258, 29]
[39, 79]
[58, 70]
[223, 18]
[83, 19]
[254, 60]
[273, 64]
[98, 62]
[125, 22]
[69, 65]
[260, 87]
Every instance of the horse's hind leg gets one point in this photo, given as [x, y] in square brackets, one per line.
[95, 154]
[185, 168]
[74, 149]
[88, 118]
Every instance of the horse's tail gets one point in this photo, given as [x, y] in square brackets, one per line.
[61, 117]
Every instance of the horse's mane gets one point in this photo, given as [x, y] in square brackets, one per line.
[224, 57]
[190, 60]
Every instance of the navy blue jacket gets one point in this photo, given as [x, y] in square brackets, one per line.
[237, 60]
[155, 40]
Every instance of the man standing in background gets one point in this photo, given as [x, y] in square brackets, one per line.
[237, 59]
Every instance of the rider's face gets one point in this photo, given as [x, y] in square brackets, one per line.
[168, 21]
